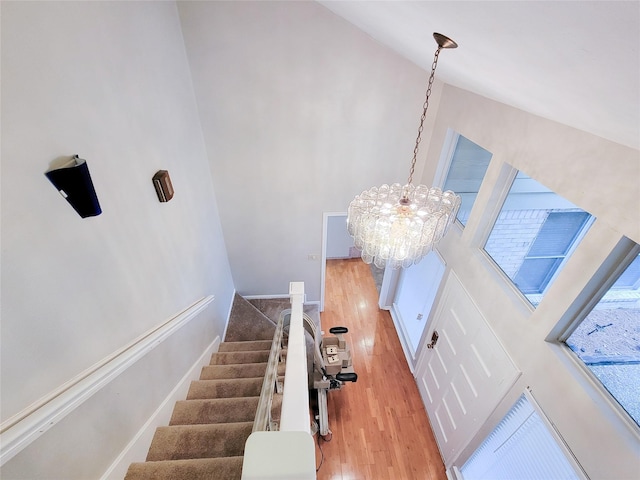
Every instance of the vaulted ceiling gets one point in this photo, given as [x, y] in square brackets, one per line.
[574, 62]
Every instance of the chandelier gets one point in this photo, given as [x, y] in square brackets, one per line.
[398, 225]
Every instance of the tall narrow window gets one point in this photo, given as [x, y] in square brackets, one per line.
[469, 164]
[535, 232]
[607, 340]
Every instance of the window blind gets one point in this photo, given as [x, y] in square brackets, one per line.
[519, 448]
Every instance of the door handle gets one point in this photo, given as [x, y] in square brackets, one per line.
[434, 339]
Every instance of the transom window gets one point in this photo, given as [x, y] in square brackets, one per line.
[534, 234]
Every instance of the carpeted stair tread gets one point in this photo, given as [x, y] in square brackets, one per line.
[227, 358]
[217, 410]
[225, 388]
[180, 442]
[241, 370]
[245, 346]
[222, 468]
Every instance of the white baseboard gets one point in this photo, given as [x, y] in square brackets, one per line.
[228, 317]
[403, 337]
[266, 297]
[278, 297]
[136, 450]
[453, 473]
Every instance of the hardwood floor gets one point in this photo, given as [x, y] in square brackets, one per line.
[380, 428]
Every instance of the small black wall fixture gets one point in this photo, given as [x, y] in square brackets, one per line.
[73, 181]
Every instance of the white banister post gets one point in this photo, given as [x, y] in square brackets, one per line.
[295, 400]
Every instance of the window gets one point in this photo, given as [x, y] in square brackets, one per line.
[630, 278]
[607, 340]
[534, 234]
[520, 447]
[548, 250]
[469, 164]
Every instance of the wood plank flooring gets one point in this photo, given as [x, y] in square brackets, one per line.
[380, 428]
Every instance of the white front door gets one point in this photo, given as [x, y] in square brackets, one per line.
[466, 373]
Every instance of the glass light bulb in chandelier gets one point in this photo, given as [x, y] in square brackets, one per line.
[398, 225]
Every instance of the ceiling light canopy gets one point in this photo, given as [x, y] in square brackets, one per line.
[398, 225]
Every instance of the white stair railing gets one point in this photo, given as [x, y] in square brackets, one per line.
[289, 452]
[263, 421]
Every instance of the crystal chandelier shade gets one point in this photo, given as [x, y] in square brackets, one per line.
[391, 232]
[397, 225]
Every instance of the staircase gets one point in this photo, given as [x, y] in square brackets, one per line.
[207, 432]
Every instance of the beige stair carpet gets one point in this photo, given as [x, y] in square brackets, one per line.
[207, 432]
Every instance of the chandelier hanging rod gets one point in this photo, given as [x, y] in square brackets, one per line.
[443, 42]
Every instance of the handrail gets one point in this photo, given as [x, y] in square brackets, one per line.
[19, 431]
[262, 421]
[290, 451]
[295, 399]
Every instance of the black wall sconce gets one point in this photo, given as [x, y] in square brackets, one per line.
[163, 186]
[73, 181]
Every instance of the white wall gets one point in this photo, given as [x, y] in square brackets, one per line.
[596, 175]
[300, 112]
[109, 81]
[339, 243]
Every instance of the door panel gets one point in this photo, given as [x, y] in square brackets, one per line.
[466, 373]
